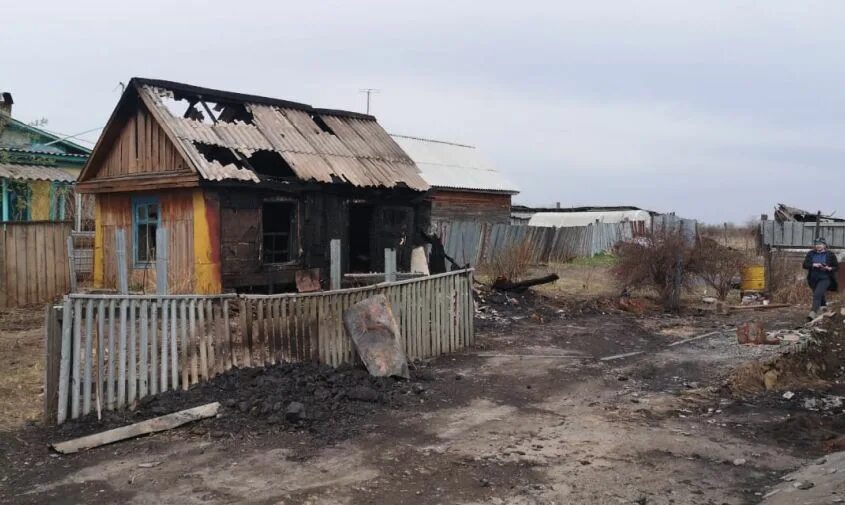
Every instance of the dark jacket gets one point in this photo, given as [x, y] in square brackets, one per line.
[831, 261]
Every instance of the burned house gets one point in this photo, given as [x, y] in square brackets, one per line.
[465, 185]
[251, 189]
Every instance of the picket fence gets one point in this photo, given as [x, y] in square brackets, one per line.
[474, 243]
[106, 352]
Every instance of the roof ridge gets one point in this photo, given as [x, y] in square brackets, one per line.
[246, 97]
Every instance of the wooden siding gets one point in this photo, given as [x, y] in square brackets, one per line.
[177, 216]
[141, 147]
[33, 262]
[493, 208]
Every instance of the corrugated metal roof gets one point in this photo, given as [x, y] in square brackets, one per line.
[568, 219]
[34, 173]
[356, 150]
[454, 166]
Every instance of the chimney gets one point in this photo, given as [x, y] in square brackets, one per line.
[6, 103]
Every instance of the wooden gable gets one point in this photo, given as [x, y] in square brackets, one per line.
[134, 152]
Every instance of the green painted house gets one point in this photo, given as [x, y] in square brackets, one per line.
[37, 170]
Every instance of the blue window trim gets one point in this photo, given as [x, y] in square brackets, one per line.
[138, 201]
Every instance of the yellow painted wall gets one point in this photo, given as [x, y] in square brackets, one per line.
[206, 244]
[40, 203]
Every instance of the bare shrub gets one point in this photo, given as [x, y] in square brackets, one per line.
[512, 263]
[663, 261]
[788, 280]
[718, 265]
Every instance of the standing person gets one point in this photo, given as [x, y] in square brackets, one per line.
[821, 266]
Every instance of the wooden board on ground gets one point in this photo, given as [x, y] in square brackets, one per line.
[157, 424]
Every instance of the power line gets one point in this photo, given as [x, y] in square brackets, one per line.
[369, 91]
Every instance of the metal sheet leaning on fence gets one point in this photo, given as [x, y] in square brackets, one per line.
[373, 329]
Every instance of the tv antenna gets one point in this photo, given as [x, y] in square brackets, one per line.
[369, 91]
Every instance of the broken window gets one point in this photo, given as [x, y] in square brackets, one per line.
[278, 219]
[146, 218]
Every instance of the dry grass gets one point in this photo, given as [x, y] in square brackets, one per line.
[582, 278]
[22, 359]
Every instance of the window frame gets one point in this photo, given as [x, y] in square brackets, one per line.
[137, 203]
[293, 234]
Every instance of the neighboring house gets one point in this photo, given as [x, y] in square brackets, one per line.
[37, 170]
[579, 216]
[465, 186]
[251, 189]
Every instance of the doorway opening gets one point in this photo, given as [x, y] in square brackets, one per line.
[360, 232]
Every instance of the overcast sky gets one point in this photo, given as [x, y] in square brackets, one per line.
[716, 110]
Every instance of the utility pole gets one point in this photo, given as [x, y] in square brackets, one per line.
[369, 91]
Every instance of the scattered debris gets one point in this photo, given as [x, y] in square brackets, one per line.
[753, 333]
[375, 333]
[503, 284]
[154, 425]
[788, 395]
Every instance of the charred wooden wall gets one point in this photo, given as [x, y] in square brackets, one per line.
[321, 215]
[494, 208]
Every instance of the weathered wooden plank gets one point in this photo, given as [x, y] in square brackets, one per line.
[65, 362]
[262, 333]
[101, 336]
[165, 343]
[75, 361]
[213, 368]
[202, 341]
[271, 328]
[174, 345]
[111, 380]
[243, 335]
[162, 423]
[227, 332]
[121, 364]
[192, 341]
[87, 355]
[132, 364]
[183, 309]
[153, 371]
[143, 348]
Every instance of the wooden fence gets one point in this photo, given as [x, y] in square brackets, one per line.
[474, 243]
[109, 351]
[34, 266]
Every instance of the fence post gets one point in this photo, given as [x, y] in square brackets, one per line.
[71, 264]
[334, 249]
[390, 265]
[53, 356]
[122, 273]
[161, 261]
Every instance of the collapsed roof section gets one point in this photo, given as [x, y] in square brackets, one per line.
[784, 213]
[234, 137]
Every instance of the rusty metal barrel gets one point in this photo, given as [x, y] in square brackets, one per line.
[753, 278]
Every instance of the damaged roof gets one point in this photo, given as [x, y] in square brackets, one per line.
[454, 166]
[220, 133]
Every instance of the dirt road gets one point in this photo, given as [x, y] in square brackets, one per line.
[530, 417]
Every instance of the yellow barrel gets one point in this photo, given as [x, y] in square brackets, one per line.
[753, 278]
